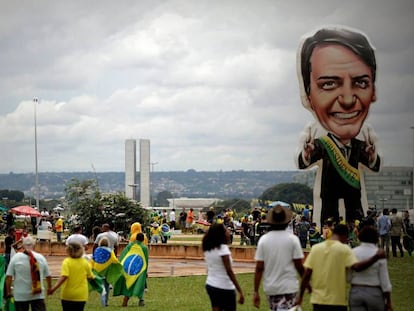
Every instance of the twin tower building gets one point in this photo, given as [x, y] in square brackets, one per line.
[144, 170]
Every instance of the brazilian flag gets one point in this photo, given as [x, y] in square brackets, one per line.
[96, 283]
[134, 261]
[105, 264]
[2, 278]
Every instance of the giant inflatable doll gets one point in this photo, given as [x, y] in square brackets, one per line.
[337, 71]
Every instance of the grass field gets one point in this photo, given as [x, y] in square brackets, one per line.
[188, 293]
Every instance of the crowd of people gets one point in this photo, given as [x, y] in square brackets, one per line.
[354, 253]
[364, 265]
[28, 278]
[52, 222]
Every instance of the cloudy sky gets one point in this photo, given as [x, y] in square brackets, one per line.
[212, 84]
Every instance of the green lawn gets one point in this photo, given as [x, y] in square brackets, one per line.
[188, 293]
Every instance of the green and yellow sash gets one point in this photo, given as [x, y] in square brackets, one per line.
[348, 173]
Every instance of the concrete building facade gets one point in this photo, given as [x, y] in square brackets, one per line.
[130, 168]
[391, 188]
[144, 168]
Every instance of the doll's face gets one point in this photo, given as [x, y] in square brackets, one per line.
[341, 90]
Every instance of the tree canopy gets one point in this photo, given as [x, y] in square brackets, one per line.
[94, 208]
[289, 193]
[162, 198]
[11, 195]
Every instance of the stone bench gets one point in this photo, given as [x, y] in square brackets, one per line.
[174, 251]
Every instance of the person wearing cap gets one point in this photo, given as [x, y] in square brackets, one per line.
[155, 232]
[278, 266]
[26, 272]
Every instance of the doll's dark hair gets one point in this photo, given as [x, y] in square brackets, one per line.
[352, 40]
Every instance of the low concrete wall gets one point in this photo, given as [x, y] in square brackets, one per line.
[176, 251]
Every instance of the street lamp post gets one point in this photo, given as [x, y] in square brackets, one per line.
[35, 102]
[152, 193]
[412, 180]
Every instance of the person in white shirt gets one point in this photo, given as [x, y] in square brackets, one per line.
[370, 288]
[78, 237]
[112, 237]
[25, 278]
[221, 283]
[172, 219]
[45, 224]
[278, 266]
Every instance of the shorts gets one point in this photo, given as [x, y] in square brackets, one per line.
[68, 305]
[317, 307]
[281, 302]
[36, 305]
[225, 299]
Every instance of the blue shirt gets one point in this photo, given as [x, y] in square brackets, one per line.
[384, 225]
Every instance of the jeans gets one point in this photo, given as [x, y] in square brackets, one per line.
[105, 295]
[385, 243]
[396, 242]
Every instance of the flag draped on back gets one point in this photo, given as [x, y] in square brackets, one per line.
[134, 261]
[35, 273]
[105, 264]
[2, 278]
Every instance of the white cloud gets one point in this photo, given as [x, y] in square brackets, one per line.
[212, 84]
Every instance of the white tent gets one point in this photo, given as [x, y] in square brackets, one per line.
[281, 203]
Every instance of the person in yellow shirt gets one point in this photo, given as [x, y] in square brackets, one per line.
[75, 272]
[59, 228]
[327, 229]
[325, 268]
[155, 232]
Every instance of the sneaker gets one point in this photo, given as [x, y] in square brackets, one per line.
[141, 303]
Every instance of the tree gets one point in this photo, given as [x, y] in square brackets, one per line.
[289, 193]
[238, 206]
[11, 195]
[94, 208]
[162, 198]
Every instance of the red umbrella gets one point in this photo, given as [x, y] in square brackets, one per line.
[25, 210]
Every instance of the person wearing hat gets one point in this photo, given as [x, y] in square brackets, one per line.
[155, 232]
[278, 266]
[26, 272]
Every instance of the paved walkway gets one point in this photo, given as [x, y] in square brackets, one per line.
[162, 267]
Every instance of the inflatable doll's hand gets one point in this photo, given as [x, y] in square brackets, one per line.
[307, 139]
[370, 139]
